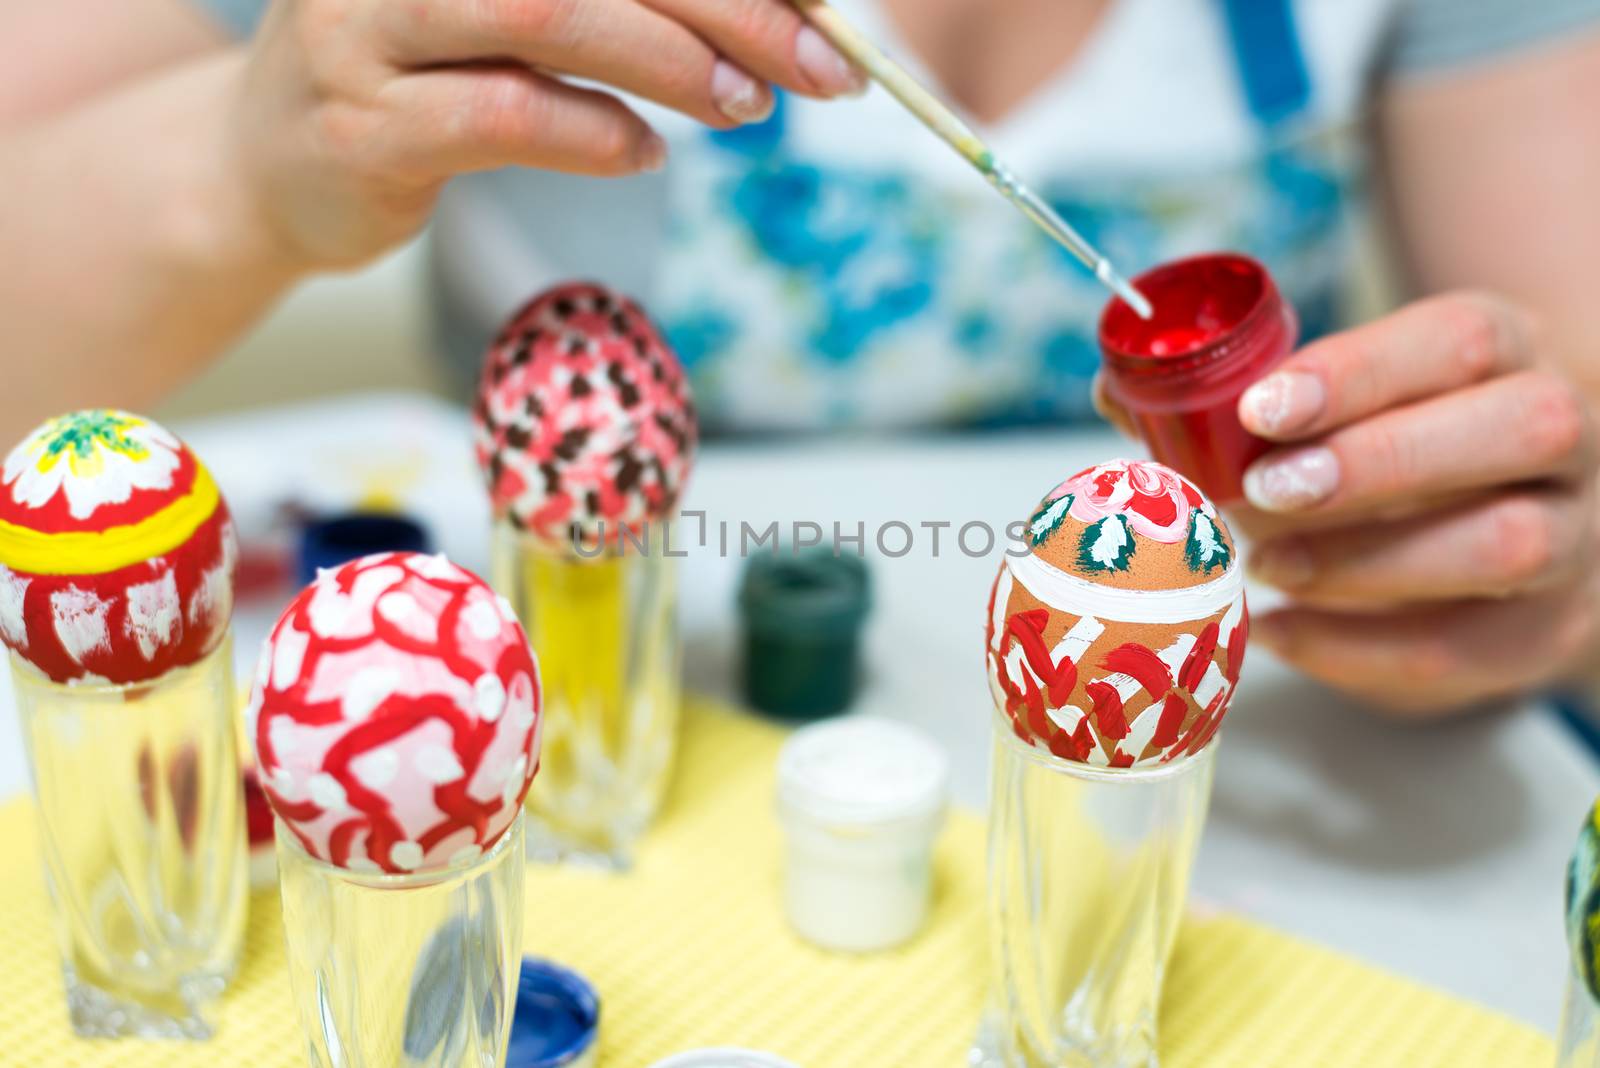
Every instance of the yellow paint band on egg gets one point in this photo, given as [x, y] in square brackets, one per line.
[95, 552]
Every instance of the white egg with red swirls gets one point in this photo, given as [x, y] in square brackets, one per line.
[395, 715]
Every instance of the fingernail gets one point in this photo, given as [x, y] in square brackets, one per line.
[1286, 564]
[830, 72]
[652, 154]
[1288, 483]
[739, 96]
[1283, 403]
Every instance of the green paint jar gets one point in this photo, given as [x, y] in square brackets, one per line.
[802, 617]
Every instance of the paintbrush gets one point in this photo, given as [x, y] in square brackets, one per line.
[939, 118]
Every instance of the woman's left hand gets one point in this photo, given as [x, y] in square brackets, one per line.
[1431, 511]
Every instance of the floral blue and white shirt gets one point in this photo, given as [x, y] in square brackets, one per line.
[838, 267]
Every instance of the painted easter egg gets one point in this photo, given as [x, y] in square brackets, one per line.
[1116, 638]
[1583, 903]
[116, 551]
[584, 422]
[395, 715]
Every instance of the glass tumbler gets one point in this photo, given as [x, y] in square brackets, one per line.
[142, 824]
[610, 661]
[404, 971]
[1579, 1045]
[1088, 877]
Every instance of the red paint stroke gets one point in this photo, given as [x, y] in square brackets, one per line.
[1205, 728]
[1162, 510]
[1060, 678]
[1199, 658]
[1171, 721]
[1143, 665]
[1075, 746]
[1214, 713]
[292, 811]
[1066, 678]
[1010, 689]
[340, 841]
[1038, 722]
[1107, 710]
[1035, 619]
[1236, 644]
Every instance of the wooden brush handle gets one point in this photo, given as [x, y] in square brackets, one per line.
[929, 109]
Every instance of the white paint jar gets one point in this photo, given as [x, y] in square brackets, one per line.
[861, 801]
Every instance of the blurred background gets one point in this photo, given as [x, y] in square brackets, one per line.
[374, 329]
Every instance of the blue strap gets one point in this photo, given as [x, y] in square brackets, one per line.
[1577, 711]
[1272, 65]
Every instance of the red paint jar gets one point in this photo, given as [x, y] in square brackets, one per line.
[1220, 324]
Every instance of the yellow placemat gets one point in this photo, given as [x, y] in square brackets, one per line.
[691, 950]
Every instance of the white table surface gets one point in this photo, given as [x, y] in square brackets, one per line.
[1434, 851]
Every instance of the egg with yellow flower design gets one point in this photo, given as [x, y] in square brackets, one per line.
[116, 551]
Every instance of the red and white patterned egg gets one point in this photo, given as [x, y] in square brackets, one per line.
[117, 552]
[395, 715]
[584, 423]
[1118, 638]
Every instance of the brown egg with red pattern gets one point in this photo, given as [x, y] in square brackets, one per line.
[1117, 639]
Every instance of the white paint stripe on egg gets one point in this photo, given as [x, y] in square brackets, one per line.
[153, 613]
[1067, 717]
[13, 590]
[1016, 665]
[1002, 596]
[1141, 728]
[1231, 620]
[1076, 642]
[1070, 593]
[1210, 686]
[1125, 685]
[1175, 654]
[79, 619]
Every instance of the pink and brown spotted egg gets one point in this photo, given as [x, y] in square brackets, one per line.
[116, 551]
[584, 423]
[395, 715]
[1116, 640]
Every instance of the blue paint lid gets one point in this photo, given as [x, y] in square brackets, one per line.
[556, 1023]
[328, 543]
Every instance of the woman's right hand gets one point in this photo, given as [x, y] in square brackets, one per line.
[352, 114]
